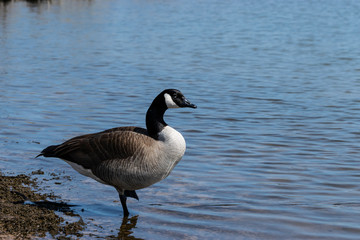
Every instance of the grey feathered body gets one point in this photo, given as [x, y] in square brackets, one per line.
[126, 158]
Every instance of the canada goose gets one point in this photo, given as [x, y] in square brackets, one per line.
[128, 158]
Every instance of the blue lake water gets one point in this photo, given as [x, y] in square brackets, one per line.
[272, 150]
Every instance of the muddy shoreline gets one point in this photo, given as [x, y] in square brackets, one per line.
[26, 213]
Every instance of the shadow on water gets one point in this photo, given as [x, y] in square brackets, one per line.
[31, 2]
[126, 227]
[60, 207]
[124, 232]
[6, 5]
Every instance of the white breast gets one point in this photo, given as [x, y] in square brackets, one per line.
[173, 147]
[173, 141]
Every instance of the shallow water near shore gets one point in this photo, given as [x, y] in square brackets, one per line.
[272, 149]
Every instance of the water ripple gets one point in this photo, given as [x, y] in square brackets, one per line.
[272, 150]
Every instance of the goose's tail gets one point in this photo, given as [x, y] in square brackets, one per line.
[48, 152]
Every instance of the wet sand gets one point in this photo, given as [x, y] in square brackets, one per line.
[25, 213]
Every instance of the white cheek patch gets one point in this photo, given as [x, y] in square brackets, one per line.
[169, 102]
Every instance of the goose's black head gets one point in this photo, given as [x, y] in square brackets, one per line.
[175, 99]
[169, 98]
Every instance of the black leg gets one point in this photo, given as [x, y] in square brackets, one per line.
[123, 203]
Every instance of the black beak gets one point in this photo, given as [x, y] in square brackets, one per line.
[187, 103]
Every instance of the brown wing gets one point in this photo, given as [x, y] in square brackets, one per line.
[92, 149]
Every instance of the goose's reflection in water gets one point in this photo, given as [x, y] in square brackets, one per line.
[125, 231]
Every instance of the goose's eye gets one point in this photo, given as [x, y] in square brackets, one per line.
[174, 96]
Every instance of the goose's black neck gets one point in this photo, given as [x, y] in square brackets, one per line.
[155, 117]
